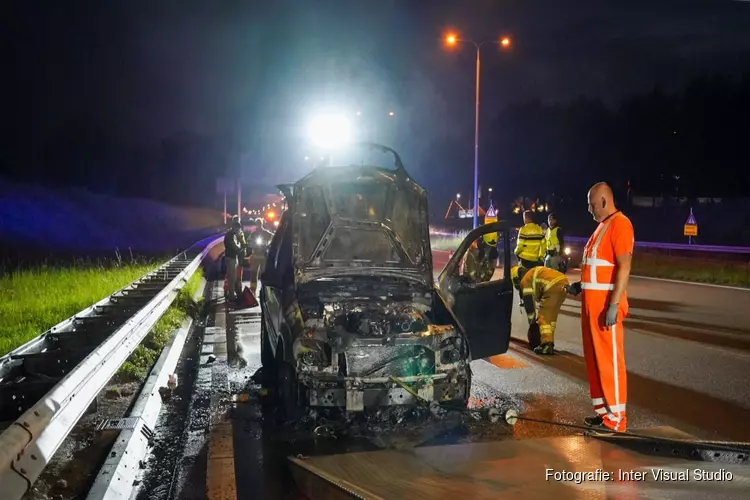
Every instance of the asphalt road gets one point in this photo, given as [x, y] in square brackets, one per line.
[687, 349]
[688, 354]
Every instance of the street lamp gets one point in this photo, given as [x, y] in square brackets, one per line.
[451, 40]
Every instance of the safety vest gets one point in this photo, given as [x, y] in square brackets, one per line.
[598, 270]
[539, 280]
[531, 245]
[553, 242]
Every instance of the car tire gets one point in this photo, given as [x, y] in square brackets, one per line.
[266, 354]
[287, 391]
[467, 393]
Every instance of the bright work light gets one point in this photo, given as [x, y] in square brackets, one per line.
[330, 131]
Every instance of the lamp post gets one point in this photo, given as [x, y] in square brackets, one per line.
[504, 42]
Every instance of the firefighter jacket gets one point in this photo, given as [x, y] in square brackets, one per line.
[535, 283]
[553, 238]
[478, 266]
[531, 245]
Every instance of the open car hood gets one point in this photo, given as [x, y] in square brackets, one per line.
[360, 220]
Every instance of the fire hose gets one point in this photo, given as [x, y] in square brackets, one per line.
[511, 417]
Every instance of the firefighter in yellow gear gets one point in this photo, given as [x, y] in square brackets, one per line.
[531, 247]
[547, 287]
[553, 238]
[477, 263]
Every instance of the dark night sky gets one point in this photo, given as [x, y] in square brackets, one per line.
[140, 71]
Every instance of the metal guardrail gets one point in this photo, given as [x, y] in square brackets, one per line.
[639, 244]
[27, 446]
[677, 246]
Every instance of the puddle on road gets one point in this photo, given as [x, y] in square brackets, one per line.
[266, 445]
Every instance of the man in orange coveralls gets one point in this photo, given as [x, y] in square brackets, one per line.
[605, 271]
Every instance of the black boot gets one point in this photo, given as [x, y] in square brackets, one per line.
[595, 421]
[545, 349]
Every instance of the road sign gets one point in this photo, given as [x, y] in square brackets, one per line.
[691, 226]
[490, 216]
[465, 214]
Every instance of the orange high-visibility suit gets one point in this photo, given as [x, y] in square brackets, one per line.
[602, 346]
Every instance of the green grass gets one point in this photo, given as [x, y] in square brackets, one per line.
[660, 265]
[33, 301]
[692, 269]
[445, 243]
[144, 356]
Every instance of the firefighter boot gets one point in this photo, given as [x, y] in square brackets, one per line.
[545, 349]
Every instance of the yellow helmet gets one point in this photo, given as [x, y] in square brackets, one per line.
[516, 275]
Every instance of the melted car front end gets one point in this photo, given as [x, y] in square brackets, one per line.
[359, 352]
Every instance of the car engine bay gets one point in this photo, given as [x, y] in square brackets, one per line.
[353, 333]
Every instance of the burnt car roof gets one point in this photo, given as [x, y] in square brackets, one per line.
[360, 220]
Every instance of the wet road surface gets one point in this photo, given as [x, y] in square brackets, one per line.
[686, 370]
[687, 349]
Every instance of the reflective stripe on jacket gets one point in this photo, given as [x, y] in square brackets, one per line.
[530, 244]
[612, 237]
[539, 280]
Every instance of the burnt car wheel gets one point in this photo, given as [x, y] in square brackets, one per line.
[287, 391]
[266, 354]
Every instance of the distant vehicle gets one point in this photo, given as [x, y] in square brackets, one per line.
[351, 314]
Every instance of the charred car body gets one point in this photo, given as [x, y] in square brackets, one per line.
[351, 315]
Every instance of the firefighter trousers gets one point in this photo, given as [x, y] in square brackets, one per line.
[604, 353]
[549, 309]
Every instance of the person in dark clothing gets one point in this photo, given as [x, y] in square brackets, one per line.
[234, 253]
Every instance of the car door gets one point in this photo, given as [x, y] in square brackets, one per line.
[482, 305]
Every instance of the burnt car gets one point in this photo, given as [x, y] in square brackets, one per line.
[351, 314]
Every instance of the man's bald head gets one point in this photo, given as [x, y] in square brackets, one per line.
[601, 201]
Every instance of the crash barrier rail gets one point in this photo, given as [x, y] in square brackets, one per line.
[677, 246]
[639, 244]
[113, 327]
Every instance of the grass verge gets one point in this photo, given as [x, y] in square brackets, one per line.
[692, 269]
[140, 362]
[659, 265]
[32, 301]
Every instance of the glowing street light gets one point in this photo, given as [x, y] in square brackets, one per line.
[391, 113]
[458, 196]
[451, 40]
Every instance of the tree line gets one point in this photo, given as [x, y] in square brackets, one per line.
[691, 143]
